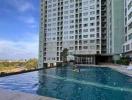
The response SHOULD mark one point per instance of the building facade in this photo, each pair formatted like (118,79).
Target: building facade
(85,27)
(128,28)
(115,27)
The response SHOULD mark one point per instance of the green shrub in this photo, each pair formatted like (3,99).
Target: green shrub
(123,61)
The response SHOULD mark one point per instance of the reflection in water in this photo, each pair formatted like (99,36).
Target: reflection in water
(88,84)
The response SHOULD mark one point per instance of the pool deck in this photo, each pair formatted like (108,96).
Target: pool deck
(120,68)
(14,95)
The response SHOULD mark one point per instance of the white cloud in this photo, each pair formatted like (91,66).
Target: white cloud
(19,49)
(22,5)
(30,21)
(26,6)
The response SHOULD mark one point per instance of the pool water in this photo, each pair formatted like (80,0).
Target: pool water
(85,83)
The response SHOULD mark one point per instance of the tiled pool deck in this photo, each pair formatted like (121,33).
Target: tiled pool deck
(14,95)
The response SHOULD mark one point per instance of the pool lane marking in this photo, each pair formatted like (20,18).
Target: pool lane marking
(90,83)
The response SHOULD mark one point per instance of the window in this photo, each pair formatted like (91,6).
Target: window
(66,2)
(71,32)
(71,16)
(71,37)
(92,41)
(71,21)
(71,11)
(85,42)
(91,24)
(92,30)
(130,26)
(130,5)
(85,30)
(92,35)
(85,47)
(130,16)
(85,14)
(85,36)
(65,12)
(66,17)
(71,48)
(72,26)
(85,25)
(85,19)
(92,7)
(71,1)
(66,7)
(130,36)
(127,47)
(92,12)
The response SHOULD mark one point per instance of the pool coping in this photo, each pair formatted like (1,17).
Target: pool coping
(15,95)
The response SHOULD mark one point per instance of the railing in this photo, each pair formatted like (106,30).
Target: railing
(85,52)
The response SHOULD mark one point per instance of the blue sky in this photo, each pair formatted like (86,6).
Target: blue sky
(19,28)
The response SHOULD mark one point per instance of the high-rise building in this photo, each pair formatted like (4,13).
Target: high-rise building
(87,28)
(115,27)
(128,28)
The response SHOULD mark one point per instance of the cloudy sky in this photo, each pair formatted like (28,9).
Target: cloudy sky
(19,28)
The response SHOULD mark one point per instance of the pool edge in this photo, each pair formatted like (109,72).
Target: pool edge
(15,95)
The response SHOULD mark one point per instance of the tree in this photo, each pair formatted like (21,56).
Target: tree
(64,55)
(124,60)
(31,64)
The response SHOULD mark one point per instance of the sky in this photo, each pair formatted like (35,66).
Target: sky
(19,29)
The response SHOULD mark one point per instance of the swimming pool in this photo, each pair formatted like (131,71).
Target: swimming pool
(86,83)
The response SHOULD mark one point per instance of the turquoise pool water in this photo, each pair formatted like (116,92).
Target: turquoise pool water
(86,83)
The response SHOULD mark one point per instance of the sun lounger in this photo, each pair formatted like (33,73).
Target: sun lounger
(129,67)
